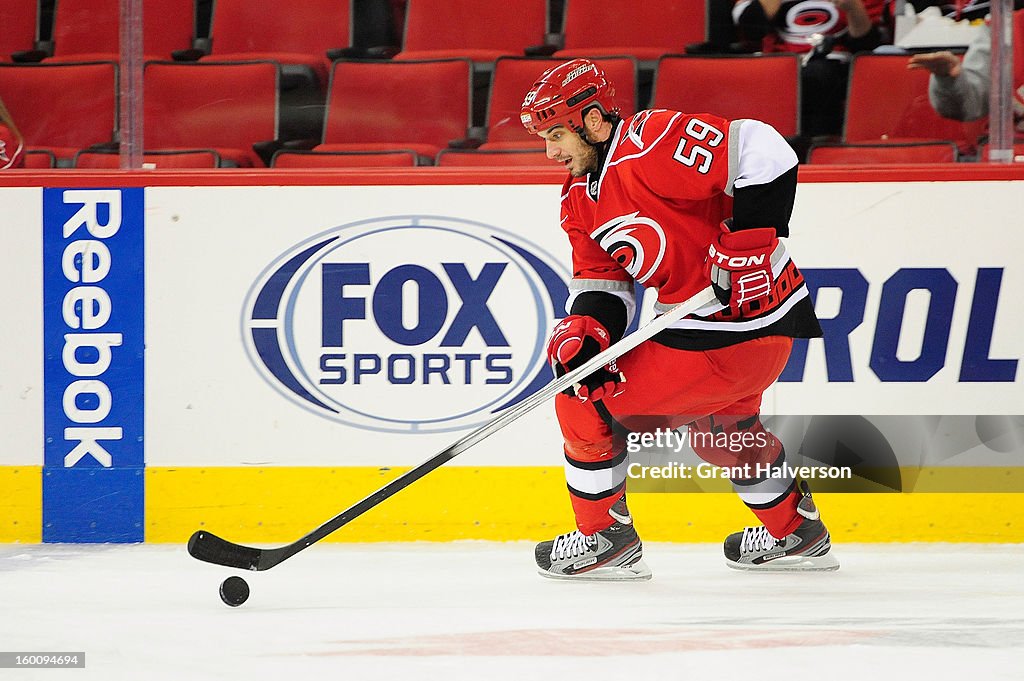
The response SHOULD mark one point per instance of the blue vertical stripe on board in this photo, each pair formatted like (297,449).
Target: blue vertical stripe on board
(93,373)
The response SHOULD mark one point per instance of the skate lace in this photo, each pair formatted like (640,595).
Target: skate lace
(757,539)
(571,545)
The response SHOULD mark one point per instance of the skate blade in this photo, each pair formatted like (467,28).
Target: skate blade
(825,563)
(636,572)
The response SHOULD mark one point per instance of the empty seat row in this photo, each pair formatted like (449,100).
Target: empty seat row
(425,106)
(305,32)
(819,154)
(241,30)
(87,30)
(397,158)
(63,108)
(486,31)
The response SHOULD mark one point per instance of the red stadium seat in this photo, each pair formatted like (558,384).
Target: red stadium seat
(513,77)
(645,30)
(763,87)
(889,102)
(194,158)
(39,160)
(224,107)
(344,159)
(381,106)
(86,30)
(911,152)
(62,108)
(281,31)
(500,158)
(19,21)
(481,31)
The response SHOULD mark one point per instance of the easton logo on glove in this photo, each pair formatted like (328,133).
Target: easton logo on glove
(734,261)
(739,265)
(576,339)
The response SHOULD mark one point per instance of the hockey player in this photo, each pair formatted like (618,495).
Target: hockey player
(672,201)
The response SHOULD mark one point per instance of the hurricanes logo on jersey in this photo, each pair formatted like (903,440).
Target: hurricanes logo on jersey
(637,243)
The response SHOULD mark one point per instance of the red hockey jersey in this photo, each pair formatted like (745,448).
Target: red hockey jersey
(650,212)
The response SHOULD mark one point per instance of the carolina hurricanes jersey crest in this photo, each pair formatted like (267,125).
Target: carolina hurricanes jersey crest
(636,243)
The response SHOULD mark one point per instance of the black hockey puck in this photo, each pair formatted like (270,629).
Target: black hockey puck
(234,591)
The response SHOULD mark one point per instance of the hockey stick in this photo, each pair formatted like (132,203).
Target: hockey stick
(208,547)
(5,118)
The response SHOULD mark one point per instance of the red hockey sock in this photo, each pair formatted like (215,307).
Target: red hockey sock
(781,518)
(592,516)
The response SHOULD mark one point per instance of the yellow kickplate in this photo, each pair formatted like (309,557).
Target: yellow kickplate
(21,504)
(271,505)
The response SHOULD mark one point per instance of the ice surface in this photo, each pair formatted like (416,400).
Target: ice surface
(478,611)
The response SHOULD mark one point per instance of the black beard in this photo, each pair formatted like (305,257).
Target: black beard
(587,161)
(596,152)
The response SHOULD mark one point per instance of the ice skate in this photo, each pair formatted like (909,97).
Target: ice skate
(807,548)
(613,554)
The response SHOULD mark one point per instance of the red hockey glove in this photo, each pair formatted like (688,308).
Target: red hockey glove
(576,339)
(739,265)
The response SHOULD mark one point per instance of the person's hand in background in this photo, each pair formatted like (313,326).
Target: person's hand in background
(939,63)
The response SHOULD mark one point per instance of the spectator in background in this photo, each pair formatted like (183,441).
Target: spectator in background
(828,33)
(960,90)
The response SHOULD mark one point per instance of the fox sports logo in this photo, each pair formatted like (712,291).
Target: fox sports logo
(416,324)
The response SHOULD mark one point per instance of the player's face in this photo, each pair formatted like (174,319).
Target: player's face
(569,149)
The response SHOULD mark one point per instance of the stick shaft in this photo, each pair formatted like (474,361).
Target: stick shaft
(210,548)
(519,410)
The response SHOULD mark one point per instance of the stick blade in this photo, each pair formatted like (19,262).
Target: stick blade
(208,547)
